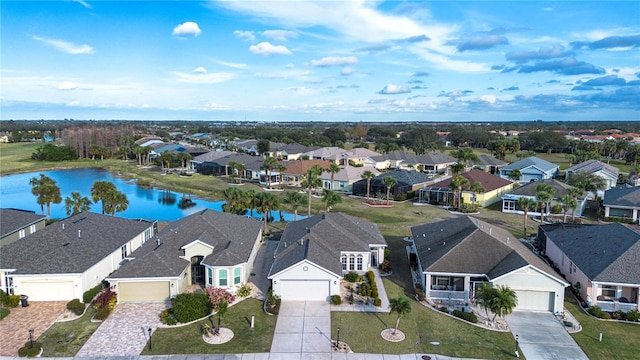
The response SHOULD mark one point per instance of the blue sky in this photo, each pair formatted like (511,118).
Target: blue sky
(320,60)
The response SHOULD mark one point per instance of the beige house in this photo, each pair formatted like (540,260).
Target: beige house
(16,224)
(602,259)
(494,188)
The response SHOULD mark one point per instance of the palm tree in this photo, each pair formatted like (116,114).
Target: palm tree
(166,158)
(269,164)
(400,306)
(221,310)
(503,302)
(476,188)
(568,202)
(76,203)
(457,168)
(265,202)
(484,296)
(515,175)
(526,204)
(295,200)
(100,190)
(368,175)
(544,194)
(330,198)
(456,185)
(310,180)
(576,193)
(333,169)
(389,182)
(236,201)
(47,192)
(587,182)
(465,155)
(183,157)
(115,201)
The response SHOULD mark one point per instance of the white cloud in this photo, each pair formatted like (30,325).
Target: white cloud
(230,64)
(199,70)
(335,61)
(491,99)
(246,35)
(266,48)
(83,3)
(67,85)
(346,71)
(65,46)
(289,66)
(215,106)
(280,35)
(208,78)
(392,89)
(187,28)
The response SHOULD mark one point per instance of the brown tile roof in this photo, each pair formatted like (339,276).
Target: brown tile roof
(300,167)
(489,182)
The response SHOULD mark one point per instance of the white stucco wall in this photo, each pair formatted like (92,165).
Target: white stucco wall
(313,272)
(531,279)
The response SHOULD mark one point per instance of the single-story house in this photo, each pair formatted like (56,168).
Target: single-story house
(603,259)
(510,200)
(531,169)
(435,162)
(454,257)
(315,253)
(489,164)
(288,151)
(344,179)
(494,188)
(65,259)
(431,163)
(296,169)
(359,156)
(407,180)
(607,172)
(16,224)
(207,248)
(622,202)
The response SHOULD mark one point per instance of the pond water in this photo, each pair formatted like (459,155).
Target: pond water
(146,203)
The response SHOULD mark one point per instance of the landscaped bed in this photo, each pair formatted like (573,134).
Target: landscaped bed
(64,339)
(188,339)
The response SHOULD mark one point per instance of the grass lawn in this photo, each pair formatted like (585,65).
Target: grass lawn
(64,339)
(188,339)
(619,340)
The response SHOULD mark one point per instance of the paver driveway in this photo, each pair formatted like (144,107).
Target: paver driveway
(543,337)
(124,332)
(14,329)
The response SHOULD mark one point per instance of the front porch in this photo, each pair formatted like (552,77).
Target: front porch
(614,297)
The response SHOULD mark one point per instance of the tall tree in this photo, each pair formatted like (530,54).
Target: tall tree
(457,168)
(330,198)
(183,157)
(457,183)
(476,188)
(544,194)
(513,146)
(389,182)
(576,193)
(47,191)
(311,180)
(368,175)
(115,201)
(568,202)
(76,203)
(166,158)
(100,191)
(401,306)
(263,146)
(515,175)
(265,203)
(236,201)
(526,204)
(269,164)
(333,169)
(465,155)
(587,182)
(294,199)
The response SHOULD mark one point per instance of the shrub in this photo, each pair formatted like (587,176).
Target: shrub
(4,312)
(633,315)
(104,304)
(75,306)
(216,295)
(167,318)
(468,316)
(243,291)
(385,266)
(189,307)
(420,295)
(374,293)
(444,309)
(556,209)
(351,276)
(595,311)
(336,299)
(377,302)
(28,351)
(371,277)
(7,300)
(618,315)
(91,293)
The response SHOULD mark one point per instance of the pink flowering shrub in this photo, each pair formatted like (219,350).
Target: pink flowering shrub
(216,295)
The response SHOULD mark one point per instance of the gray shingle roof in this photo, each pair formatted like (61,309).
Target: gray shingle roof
(591,166)
(541,164)
(321,238)
(529,189)
(12,220)
(404,177)
(72,245)
(231,236)
(212,156)
(464,245)
(622,196)
(609,253)
(486,160)
(433,158)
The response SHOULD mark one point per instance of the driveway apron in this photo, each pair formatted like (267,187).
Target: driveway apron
(303,327)
(14,329)
(542,337)
(124,332)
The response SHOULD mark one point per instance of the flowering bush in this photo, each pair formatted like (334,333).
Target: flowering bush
(217,295)
(104,304)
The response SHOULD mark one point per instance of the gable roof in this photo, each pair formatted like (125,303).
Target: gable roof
(607,253)
(489,182)
(72,245)
(349,173)
(231,236)
(592,166)
(404,177)
(486,160)
(12,220)
(299,167)
(623,195)
(534,161)
(435,158)
(321,238)
(529,189)
(466,245)
(212,156)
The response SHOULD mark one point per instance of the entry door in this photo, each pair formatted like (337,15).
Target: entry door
(197,270)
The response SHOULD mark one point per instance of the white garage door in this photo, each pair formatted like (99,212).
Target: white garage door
(143,291)
(305,290)
(47,291)
(535,300)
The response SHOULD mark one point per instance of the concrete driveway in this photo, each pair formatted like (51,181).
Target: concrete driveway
(303,327)
(542,336)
